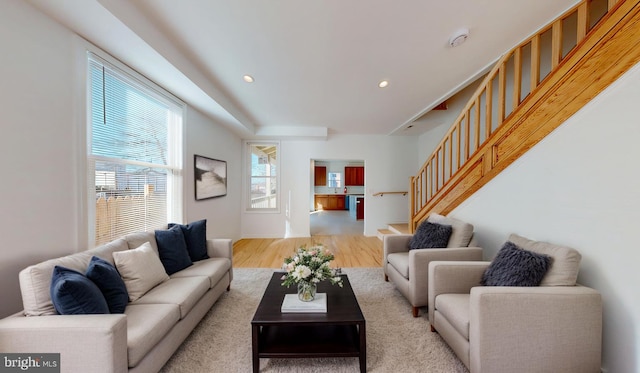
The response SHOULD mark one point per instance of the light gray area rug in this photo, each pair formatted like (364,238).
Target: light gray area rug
(396,341)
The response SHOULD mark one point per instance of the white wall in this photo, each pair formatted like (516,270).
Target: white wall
(580,187)
(214,141)
(389,162)
(430,139)
(38,146)
(41,215)
(438,122)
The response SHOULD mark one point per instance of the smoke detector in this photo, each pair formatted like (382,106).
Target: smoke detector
(459,37)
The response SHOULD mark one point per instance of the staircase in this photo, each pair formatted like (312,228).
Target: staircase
(531,91)
(398,228)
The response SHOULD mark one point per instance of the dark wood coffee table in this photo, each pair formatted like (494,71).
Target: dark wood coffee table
(340,332)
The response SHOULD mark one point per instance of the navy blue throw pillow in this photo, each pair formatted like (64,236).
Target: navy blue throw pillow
(430,235)
(74,294)
(195,234)
(514,266)
(110,283)
(172,249)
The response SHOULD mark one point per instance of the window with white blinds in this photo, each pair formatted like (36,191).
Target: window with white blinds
(134,153)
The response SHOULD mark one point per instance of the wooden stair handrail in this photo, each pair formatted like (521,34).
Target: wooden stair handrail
(383,193)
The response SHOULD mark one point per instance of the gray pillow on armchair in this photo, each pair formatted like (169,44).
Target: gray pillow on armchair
(430,235)
(514,266)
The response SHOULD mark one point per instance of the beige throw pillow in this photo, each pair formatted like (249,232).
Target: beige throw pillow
(461,233)
(141,269)
(565,261)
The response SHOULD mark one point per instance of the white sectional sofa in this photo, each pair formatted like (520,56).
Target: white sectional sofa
(142,338)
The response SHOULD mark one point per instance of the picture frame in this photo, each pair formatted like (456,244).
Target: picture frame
(209,177)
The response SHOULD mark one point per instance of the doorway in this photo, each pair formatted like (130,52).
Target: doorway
(336,198)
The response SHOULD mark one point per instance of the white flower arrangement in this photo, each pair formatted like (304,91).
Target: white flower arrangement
(310,265)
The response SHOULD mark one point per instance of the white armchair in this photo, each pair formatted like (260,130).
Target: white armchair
(498,329)
(408,269)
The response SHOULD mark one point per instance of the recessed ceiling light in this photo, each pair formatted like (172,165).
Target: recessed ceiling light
(383,83)
(248,78)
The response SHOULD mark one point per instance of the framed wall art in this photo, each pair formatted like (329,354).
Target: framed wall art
(210,177)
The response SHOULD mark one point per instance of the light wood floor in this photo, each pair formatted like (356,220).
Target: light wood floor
(349,251)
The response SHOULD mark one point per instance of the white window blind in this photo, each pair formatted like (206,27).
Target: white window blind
(134,153)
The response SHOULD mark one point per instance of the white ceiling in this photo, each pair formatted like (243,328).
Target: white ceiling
(316,64)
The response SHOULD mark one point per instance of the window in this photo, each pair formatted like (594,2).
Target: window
(335,180)
(134,155)
(263,176)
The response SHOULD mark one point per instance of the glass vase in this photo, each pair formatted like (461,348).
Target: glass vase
(306,291)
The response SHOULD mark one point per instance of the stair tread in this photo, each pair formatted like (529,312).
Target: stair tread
(402,228)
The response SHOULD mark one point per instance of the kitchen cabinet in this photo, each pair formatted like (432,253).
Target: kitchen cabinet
(329,202)
(321,202)
(320,176)
(339,203)
(354,175)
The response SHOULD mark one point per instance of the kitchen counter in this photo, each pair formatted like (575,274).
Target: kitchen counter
(335,201)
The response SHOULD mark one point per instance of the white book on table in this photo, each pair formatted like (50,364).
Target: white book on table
(292,304)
